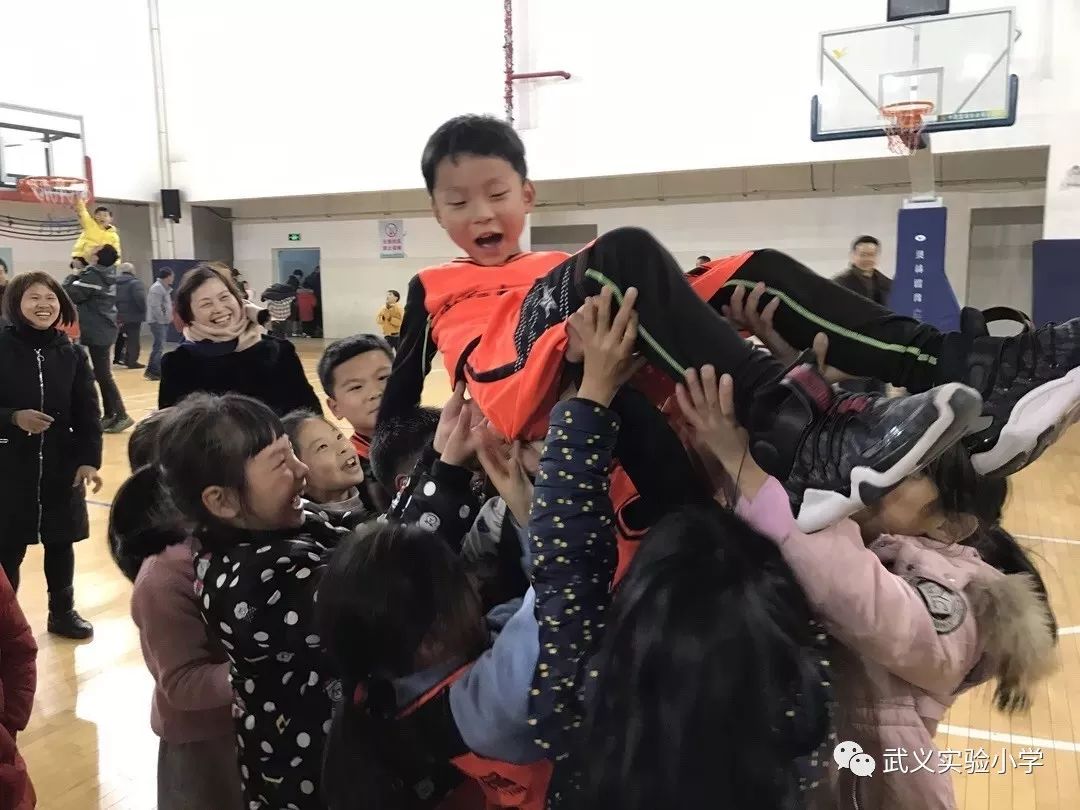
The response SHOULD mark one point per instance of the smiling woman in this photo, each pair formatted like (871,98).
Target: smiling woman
(226,350)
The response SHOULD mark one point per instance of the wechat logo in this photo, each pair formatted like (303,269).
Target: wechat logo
(850,755)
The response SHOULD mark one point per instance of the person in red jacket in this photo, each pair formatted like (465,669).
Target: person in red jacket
(18,680)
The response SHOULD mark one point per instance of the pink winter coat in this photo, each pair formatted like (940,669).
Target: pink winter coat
(916,621)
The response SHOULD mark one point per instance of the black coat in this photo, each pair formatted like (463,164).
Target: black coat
(94,293)
(37,472)
(876,288)
(269,371)
(130,299)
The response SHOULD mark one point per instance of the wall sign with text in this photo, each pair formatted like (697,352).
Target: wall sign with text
(921,290)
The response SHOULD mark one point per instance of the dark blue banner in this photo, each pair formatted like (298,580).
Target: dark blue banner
(921,290)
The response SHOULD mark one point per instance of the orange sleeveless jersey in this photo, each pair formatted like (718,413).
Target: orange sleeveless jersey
(466,303)
(501,784)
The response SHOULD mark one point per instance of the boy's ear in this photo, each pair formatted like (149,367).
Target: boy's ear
(528,192)
(221,502)
(331,403)
(400,480)
(436,214)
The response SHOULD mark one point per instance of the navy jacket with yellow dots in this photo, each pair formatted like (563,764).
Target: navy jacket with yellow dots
(574,553)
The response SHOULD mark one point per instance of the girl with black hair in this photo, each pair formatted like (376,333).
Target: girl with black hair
(918,615)
(334,475)
(191,707)
(227,475)
(701,682)
(50,442)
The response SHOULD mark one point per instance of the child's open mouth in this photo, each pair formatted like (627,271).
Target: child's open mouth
(489,240)
(351,464)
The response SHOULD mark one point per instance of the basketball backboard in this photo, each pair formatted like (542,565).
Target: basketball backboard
(37,143)
(959,63)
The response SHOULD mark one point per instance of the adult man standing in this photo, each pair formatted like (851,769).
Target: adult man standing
(862,275)
(93,291)
(131,311)
(159,313)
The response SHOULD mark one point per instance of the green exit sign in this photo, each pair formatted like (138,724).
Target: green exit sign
(294,237)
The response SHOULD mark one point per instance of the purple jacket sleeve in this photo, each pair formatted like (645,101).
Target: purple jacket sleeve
(871,610)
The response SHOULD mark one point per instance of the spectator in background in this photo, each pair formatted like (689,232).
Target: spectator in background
(130,313)
(700,267)
(389,318)
(863,277)
(314,283)
(93,290)
(305,306)
(703,260)
(159,314)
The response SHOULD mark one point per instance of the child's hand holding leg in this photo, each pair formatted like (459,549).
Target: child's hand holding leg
(607,345)
(709,409)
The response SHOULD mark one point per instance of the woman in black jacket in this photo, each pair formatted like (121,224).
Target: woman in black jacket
(225,350)
(50,441)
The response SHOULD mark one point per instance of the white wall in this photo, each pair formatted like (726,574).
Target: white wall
(271,98)
(333,97)
(89,59)
(816,231)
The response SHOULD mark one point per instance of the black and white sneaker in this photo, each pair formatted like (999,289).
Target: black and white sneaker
(838,452)
(1030,384)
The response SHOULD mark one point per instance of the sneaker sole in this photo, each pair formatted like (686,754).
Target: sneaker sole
(1037,421)
(957,406)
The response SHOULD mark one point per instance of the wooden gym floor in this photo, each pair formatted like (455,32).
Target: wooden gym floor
(89,743)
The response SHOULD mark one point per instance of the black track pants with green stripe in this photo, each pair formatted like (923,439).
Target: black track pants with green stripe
(865,339)
(677,329)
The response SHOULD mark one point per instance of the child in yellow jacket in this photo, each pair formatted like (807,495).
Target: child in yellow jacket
(97,230)
(389,317)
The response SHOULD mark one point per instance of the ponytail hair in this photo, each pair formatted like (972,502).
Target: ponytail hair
(142,522)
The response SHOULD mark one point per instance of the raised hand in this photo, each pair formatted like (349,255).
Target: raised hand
(607,345)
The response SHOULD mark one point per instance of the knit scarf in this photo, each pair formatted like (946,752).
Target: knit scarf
(246,333)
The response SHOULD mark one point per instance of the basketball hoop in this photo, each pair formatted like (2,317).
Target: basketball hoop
(53,190)
(904,123)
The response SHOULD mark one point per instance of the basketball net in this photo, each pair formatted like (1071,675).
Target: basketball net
(903,124)
(53,190)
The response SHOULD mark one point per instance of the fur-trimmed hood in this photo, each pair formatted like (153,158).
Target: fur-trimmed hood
(1019,637)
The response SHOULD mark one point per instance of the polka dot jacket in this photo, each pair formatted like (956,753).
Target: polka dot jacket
(440,500)
(257,593)
(573,552)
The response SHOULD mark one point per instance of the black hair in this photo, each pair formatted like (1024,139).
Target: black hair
(101,208)
(4,267)
(396,294)
(399,442)
(673,721)
(107,256)
(294,420)
(341,351)
(865,239)
(479,135)
(704,258)
(80,261)
(164,272)
(16,288)
(205,441)
(195,278)
(964,491)
(143,444)
(298,272)
(387,593)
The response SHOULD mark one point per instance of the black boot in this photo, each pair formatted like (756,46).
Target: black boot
(1030,385)
(837,452)
(64,620)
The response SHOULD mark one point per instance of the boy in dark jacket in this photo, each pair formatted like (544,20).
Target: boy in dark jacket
(93,290)
(130,313)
